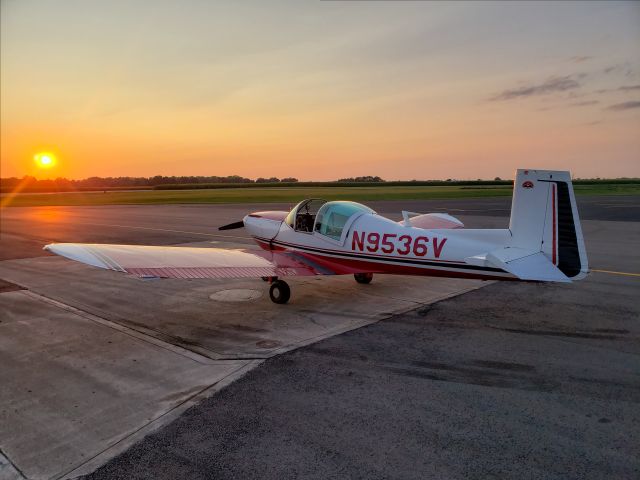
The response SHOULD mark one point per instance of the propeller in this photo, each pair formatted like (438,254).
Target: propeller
(232,226)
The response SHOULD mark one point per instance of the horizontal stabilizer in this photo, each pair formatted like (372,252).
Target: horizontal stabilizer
(524,264)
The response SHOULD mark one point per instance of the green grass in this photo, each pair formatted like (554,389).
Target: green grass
(291,194)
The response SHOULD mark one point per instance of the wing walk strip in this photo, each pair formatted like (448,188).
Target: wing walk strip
(374,258)
(210,272)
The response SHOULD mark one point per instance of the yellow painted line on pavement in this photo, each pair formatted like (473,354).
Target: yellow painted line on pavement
(617,273)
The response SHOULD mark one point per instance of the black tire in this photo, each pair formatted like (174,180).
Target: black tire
(363,278)
(279,292)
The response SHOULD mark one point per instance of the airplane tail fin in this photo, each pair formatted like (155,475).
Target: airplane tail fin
(544,218)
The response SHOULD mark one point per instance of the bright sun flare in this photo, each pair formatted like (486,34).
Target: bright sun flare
(45,159)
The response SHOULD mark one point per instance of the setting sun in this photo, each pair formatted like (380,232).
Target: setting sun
(45,159)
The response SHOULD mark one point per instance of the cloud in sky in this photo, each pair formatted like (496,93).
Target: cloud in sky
(624,106)
(628,88)
(623,88)
(584,104)
(625,69)
(551,85)
(580,58)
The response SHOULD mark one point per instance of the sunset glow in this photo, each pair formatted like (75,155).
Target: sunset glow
(321,90)
(45,160)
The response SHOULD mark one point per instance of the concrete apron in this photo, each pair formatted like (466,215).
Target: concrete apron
(93,360)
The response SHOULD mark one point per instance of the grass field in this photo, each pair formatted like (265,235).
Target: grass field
(288,194)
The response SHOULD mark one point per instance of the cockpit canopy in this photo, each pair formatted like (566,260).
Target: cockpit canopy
(302,217)
(333,217)
(326,218)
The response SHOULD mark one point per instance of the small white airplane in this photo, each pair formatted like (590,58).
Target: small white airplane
(543,243)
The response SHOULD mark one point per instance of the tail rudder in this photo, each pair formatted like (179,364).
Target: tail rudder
(544,217)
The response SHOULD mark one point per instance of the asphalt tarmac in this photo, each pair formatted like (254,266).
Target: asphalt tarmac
(510,381)
(24,230)
(513,380)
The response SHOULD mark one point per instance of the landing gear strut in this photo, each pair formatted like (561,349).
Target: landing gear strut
(363,277)
(279,292)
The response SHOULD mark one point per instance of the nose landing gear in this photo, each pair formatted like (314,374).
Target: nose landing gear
(279,292)
(363,277)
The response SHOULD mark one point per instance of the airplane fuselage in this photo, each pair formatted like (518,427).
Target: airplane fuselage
(380,245)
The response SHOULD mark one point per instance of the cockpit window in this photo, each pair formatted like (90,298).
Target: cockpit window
(303,216)
(333,217)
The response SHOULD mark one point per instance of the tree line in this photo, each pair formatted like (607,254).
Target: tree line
(124,182)
(61,183)
(29,183)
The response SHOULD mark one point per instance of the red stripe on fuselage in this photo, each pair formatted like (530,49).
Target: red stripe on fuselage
(265,245)
(273,245)
(361,265)
(345,266)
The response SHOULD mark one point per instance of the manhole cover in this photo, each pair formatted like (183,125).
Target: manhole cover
(236,295)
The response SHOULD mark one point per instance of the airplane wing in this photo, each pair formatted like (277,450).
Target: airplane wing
(190,262)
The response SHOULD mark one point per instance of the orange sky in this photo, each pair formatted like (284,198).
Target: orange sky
(320,90)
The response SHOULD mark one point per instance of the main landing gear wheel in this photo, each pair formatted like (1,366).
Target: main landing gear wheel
(279,292)
(363,277)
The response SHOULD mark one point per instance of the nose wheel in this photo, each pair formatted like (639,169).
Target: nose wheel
(279,292)
(363,277)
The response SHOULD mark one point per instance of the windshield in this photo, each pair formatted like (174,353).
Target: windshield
(332,217)
(303,215)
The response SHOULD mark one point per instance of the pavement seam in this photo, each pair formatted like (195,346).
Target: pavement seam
(207,360)
(165,418)
(201,359)
(10,462)
(430,302)
(366,322)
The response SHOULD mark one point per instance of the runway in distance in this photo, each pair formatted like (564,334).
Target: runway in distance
(543,243)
